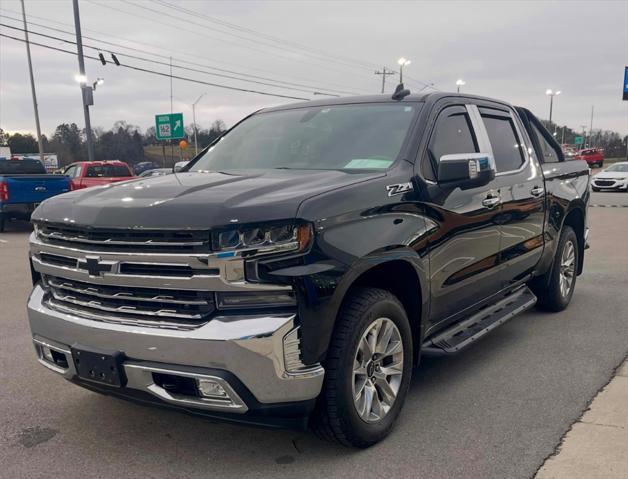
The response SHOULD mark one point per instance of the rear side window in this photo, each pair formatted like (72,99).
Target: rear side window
(22,167)
(453,134)
(107,171)
(507,148)
(548,152)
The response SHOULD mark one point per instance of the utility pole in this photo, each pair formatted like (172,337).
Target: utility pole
(584,136)
(30,71)
(86,91)
(385,72)
(562,141)
(591,125)
(194,120)
(171,143)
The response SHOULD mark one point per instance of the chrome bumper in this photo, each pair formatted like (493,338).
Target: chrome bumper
(257,349)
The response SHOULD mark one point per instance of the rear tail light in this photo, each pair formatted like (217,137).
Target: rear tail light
(4,191)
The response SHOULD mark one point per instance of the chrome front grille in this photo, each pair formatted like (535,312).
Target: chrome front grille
(124,240)
(148,288)
(148,306)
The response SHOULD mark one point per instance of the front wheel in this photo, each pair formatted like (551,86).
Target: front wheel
(555,289)
(367,372)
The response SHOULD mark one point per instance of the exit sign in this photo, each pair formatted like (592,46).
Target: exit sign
(169,126)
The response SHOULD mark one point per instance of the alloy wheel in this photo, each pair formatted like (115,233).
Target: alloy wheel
(377,370)
(567,268)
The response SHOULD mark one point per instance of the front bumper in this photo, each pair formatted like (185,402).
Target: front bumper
(607,184)
(247,355)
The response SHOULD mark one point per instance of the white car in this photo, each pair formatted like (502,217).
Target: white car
(615,177)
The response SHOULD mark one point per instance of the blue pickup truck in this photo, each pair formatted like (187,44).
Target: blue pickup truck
(23,185)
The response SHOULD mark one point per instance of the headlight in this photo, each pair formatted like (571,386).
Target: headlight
(263,239)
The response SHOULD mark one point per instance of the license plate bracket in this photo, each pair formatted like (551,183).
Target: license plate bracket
(99,366)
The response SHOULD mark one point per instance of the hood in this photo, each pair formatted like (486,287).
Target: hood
(196,200)
(607,175)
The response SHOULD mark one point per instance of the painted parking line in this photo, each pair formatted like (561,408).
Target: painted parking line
(609,206)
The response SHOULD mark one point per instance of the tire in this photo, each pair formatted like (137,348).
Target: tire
(551,296)
(595,189)
(2,218)
(337,417)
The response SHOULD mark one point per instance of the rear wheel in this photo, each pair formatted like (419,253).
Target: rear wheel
(555,289)
(367,372)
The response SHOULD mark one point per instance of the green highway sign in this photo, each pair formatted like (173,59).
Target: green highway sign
(579,140)
(169,126)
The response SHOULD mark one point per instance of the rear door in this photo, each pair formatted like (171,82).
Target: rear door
(465,239)
(519,180)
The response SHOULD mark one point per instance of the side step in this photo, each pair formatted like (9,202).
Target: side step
(462,334)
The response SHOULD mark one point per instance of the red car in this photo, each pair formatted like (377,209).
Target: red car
(94,173)
(594,157)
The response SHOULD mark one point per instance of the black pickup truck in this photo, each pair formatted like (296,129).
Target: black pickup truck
(296,271)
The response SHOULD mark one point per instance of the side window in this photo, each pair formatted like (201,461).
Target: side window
(77,173)
(71,171)
(453,134)
(549,154)
(507,148)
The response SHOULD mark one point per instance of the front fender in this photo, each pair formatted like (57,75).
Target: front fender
(345,249)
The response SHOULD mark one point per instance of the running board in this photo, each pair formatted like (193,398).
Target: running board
(462,334)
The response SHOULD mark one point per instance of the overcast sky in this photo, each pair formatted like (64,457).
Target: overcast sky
(508,50)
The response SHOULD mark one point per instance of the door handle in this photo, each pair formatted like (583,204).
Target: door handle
(491,201)
(537,191)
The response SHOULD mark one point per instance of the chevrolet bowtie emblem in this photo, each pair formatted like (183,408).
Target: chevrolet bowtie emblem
(94,266)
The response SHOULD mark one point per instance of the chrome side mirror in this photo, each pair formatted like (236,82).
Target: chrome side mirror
(466,170)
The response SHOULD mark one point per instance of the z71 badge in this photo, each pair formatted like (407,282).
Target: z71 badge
(398,189)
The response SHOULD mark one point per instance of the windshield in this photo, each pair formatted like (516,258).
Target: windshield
(22,167)
(621,167)
(365,136)
(107,171)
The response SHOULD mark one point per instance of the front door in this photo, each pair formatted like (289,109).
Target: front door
(465,238)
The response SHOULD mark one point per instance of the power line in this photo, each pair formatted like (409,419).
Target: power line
(163,48)
(281,82)
(168,64)
(204,35)
(154,72)
(298,46)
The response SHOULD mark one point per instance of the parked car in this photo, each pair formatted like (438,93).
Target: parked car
(155,172)
(143,166)
(24,184)
(615,177)
(594,157)
(97,173)
(296,272)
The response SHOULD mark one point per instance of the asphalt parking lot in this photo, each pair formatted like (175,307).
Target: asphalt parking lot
(495,411)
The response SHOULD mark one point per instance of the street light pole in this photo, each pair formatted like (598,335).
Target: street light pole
(402,62)
(460,82)
(86,91)
(30,71)
(194,120)
(551,93)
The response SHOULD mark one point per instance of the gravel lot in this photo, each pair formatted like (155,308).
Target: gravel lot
(495,411)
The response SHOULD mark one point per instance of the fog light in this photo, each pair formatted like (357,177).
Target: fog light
(47,354)
(211,389)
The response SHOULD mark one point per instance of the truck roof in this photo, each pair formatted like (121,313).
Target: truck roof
(385,98)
